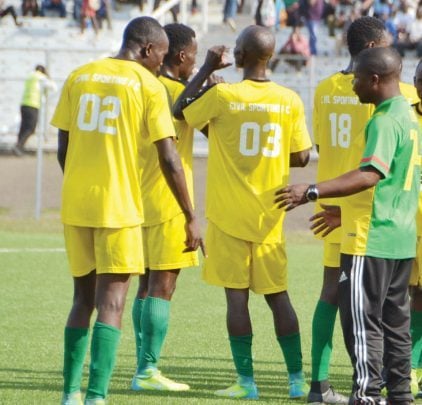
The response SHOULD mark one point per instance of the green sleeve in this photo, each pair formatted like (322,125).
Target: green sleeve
(381,143)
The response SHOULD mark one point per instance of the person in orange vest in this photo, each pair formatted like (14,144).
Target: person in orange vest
(37,82)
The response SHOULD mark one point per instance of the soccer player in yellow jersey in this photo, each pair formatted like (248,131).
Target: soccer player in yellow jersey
(164,248)
(107,113)
(416,276)
(256,130)
(339,121)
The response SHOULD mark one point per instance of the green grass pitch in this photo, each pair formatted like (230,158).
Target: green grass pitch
(36,293)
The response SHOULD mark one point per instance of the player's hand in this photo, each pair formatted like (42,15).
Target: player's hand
(214,79)
(217,57)
(290,197)
(193,237)
(326,220)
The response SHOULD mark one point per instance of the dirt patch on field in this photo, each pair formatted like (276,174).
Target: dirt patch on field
(18,178)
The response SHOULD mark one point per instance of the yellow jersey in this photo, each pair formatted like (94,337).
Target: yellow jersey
(111,109)
(159,203)
(253,128)
(418,111)
(339,121)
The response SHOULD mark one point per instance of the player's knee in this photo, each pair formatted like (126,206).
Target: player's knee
(112,305)
(84,304)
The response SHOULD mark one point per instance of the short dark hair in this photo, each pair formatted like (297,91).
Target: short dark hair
(40,68)
(383,62)
(141,31)
(362,31)
(180,36)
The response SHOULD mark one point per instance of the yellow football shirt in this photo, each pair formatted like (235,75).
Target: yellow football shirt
(111,109)
(418,111)
(339,121)
(253,128)
(159,203)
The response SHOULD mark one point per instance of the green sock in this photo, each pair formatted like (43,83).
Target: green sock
(136,319)
(292,352)
(75,348)
(322,339)
(241,347)
(105,339)
(416,332)
(154,324)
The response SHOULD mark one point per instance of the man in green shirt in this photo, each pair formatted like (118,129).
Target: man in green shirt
(379,233)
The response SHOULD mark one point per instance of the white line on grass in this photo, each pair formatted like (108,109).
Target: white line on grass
(31,250)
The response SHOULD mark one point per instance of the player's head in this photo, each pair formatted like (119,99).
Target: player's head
(417,79)
(254,45)
(182,49)
(375,70)
(146,39)
(41,68)
(366,32)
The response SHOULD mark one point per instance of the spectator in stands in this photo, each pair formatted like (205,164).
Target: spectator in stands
(194,7)
(104,13)
(292,10)
(55,5)
(36,83)
(30,6)
(264,13)
(382,7)
(311,13)
(229,13)
(412,38)
(5,10)
(89,11)
(77,10)
(297,44)
(403,18)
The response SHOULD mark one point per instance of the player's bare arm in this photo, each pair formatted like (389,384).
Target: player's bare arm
(299,159)
(214,60)
(63,139)
(349,183)
(173,172)
(325,221)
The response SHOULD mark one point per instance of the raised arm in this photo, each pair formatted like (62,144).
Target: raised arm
(213,61)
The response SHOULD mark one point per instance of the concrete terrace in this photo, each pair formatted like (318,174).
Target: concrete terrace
(57,44)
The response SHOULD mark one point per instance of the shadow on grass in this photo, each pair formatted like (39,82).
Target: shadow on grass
(205,380)
(30,380)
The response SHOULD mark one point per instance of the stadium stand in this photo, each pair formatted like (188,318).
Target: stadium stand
(56,43)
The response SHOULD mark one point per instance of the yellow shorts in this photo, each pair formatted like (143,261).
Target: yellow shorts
(107,250)
(236,263)
(331,254)
(164,244)
(416,275)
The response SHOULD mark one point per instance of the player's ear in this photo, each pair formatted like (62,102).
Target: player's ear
(375,79)
(371,44)
(182,56)
(148,49)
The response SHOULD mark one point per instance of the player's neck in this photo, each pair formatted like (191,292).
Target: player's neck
(388,92)
(126,54)
(257,73)
(170,71)
(349,68)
